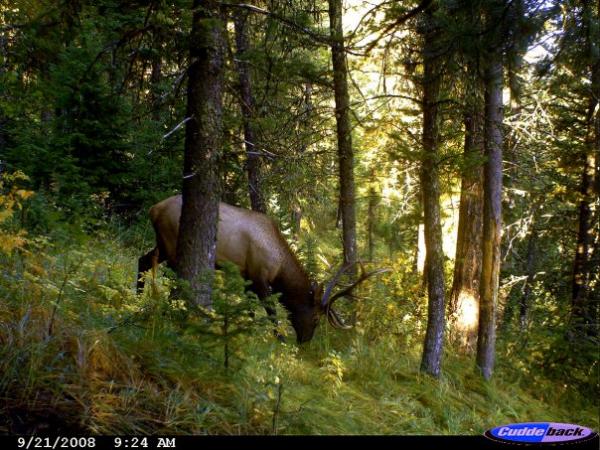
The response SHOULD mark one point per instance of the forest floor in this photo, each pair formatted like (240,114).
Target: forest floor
(80,351)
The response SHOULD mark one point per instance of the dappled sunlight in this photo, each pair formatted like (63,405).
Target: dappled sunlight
(450,210)
(467,312)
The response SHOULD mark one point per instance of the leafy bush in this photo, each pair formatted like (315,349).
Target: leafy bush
(11,200)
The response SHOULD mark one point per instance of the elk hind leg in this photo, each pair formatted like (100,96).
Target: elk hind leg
(149,261)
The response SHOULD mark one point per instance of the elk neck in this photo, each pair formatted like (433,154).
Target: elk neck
(292,282)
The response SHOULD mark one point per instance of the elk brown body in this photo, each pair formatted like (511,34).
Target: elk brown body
(253,242)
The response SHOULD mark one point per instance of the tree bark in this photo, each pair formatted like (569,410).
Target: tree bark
(3,69)
(492,216)
(464,298)
(155,78)
(530,268)
(344,131)
(434,336)
(253,162)
(296,216)
(196,244)
(371,222)
(584,315)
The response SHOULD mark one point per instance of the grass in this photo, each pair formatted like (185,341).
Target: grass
(81,352)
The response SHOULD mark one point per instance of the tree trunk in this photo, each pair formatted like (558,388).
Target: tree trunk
(344,131)
(253,161)
(492,216)
(584,312)
(196,245)
(155,78)
(305,126)
(464,298)
(371,222)
(530,268)
(595,260)
(3,68)
(434,336)
(296,216)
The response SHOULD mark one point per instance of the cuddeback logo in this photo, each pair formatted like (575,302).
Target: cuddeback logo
(540,433)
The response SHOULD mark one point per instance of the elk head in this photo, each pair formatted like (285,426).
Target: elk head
(323,298)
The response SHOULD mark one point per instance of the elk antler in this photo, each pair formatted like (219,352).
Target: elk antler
(336,321)
(347,291)
(332,283)
(327,301)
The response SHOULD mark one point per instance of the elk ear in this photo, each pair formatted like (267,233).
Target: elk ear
(317,293)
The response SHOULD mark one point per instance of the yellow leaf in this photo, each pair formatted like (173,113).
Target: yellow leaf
(24,194)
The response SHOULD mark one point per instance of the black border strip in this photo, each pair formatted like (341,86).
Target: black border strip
(290,442)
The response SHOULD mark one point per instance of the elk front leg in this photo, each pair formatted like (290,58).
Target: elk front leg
(263,290)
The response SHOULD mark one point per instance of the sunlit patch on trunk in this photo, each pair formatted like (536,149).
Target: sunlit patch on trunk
(466,318)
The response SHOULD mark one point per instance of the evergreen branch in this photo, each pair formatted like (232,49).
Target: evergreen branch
(391,28)
(290,23)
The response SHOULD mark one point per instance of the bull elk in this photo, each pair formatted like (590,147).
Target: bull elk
(253,242)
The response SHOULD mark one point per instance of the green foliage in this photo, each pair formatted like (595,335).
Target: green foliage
(70,116)
(234,316)
(12,236)
(545,349)
(550,136)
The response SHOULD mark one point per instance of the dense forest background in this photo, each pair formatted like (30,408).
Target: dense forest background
(455,142)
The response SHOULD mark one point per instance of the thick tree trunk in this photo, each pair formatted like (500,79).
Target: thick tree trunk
(434,336)
(492,216)
(464,298)
(196,245)
(253,162)
(344,131)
